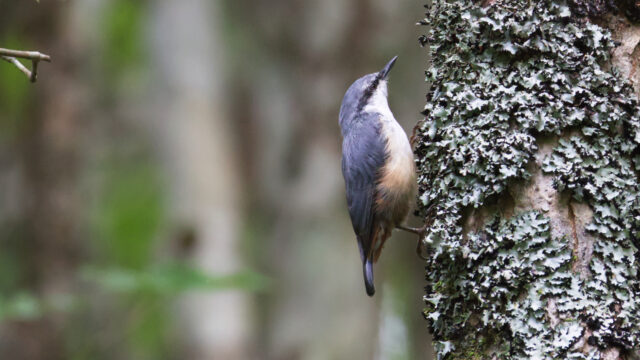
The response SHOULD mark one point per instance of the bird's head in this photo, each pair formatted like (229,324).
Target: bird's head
(369,89)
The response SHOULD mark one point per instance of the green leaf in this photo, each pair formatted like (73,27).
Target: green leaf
(171,279)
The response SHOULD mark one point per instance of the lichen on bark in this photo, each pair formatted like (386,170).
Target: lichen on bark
(529,157)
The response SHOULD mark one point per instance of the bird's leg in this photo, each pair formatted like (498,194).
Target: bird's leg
(420,232)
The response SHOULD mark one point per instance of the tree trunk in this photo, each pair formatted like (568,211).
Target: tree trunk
(203,171)
(528,163)
(48,197)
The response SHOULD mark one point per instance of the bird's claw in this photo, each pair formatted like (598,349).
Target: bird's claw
(420,247)
(421,232)
(419,250)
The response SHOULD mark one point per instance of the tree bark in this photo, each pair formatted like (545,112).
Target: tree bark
(528,159)
(48,194)
(202,169)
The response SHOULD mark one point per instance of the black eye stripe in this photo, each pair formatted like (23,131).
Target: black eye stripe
(368,92)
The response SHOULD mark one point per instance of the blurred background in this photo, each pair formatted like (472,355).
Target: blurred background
(170,188)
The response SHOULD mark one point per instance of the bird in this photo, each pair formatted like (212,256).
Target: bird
(378,167)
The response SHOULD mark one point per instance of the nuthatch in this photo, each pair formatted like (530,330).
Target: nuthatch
(377,165)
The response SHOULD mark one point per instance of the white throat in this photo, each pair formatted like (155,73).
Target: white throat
(378,102)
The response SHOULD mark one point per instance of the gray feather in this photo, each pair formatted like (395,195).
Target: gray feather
(363,155)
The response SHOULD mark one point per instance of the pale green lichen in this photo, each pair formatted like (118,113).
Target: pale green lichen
(503,76)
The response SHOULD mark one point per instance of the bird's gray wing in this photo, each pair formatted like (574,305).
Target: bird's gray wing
(363,156)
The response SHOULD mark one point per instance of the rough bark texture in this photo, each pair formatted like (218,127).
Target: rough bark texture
(626,57)
(528,153)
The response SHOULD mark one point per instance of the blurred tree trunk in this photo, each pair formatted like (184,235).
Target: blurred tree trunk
(304,238)
(50,152)
(287,115)
(528,155)
(202,167)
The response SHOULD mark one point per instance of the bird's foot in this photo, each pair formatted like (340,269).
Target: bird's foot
(421,232)
(418,231)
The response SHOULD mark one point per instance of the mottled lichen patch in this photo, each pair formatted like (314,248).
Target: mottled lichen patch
(514,285)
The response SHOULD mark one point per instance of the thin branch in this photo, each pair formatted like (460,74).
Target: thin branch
(35,57)
(18,64)
(31,55)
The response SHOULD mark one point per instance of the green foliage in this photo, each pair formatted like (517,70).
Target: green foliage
(124,47)
(504,76)
(129,213)
(21,306)
(13,269)
(14,92)
(126,220)
(25,306)
(171,279)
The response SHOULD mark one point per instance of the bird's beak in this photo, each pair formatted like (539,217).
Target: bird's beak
(385,70)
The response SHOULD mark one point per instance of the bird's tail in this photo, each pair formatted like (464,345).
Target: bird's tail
(367,269)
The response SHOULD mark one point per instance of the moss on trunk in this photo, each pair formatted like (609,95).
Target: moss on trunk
(528,158)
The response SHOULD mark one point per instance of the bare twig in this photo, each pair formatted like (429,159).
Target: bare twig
(18,64)
(31,55)
(35,57)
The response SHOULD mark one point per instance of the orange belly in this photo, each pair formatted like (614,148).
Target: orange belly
(396,185)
